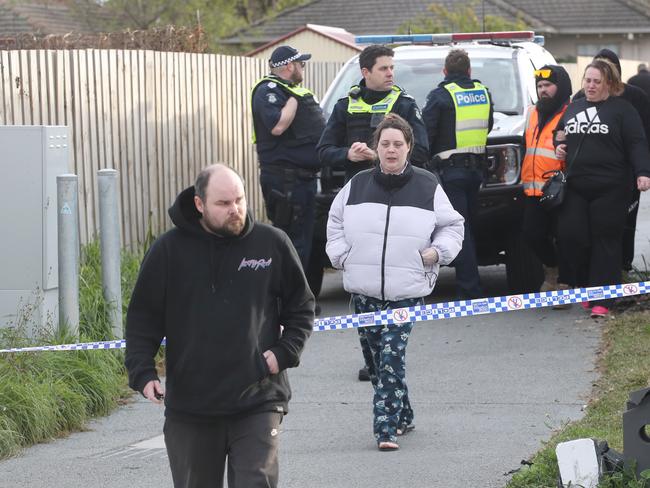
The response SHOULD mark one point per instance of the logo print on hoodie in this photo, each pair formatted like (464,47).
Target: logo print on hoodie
(255,264)
(579,123)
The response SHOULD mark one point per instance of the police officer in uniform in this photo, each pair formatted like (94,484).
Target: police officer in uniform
(287,123)
(347,136)
(458,116)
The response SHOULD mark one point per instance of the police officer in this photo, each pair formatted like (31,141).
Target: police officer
(458,116)
(346,139)
(287,123)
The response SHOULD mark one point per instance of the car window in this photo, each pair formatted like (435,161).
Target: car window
(419,76)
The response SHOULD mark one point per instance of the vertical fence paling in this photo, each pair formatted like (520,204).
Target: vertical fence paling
(156,117)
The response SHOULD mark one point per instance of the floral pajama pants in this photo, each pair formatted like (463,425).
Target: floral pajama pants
(384,351)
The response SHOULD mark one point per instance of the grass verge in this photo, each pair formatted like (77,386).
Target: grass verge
(624,368)
(44,395)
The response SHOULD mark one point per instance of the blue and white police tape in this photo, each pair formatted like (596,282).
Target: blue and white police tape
(434,311)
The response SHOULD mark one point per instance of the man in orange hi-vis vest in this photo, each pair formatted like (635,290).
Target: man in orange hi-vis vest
(553,92)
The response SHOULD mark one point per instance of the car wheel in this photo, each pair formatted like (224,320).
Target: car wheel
(523,268)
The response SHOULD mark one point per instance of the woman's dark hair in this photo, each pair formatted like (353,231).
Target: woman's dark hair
(610,75)
(394,121)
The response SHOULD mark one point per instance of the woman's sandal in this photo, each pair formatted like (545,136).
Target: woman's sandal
(404,429)
(387,446)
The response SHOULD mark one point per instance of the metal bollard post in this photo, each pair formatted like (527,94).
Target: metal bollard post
(109,235)
(68,242)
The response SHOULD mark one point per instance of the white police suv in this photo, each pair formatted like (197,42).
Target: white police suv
(504,62)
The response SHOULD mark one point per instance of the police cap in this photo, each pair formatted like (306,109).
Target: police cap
(285,55)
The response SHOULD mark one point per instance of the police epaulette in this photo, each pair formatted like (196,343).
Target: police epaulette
(354,92)
(403,92)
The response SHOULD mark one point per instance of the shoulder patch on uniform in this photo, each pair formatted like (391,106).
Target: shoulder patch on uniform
(271,84)
(271,98)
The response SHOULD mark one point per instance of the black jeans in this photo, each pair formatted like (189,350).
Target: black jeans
(461,186)
(590,231)
(293,212)
(540,231)
(198,451)
(630,229)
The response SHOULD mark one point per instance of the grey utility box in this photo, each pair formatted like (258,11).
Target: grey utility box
(31,157)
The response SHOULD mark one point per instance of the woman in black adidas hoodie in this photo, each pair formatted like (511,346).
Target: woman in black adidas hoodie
(605,144)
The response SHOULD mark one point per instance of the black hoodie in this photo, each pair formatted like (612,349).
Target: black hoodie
(220,302)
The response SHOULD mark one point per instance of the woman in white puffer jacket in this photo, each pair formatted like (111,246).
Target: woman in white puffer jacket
(389,230)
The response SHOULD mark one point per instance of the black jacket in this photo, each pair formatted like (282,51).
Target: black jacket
(332,148)
(220,302)
(641,80)
(439,115)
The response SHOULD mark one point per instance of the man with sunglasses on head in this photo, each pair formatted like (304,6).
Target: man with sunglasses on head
(539,225)
(287,124)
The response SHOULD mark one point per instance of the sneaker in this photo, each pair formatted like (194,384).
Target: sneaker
(363,374)
(599,312)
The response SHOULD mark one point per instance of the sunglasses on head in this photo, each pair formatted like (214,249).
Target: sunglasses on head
(543,73)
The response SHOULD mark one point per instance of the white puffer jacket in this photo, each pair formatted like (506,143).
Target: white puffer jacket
(379,223)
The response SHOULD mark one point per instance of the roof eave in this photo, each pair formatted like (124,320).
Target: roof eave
(600,30)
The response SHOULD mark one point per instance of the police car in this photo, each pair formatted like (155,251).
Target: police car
(504,62)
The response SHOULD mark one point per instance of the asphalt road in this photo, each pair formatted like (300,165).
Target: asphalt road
(487,391)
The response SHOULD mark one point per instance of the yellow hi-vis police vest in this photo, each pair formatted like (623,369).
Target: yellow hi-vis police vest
(383,106)
(472,116)
(298,91)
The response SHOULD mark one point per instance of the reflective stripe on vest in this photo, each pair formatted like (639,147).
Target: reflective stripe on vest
(383,106)
(533,185)
(298,91)
(472,118)
(540,152)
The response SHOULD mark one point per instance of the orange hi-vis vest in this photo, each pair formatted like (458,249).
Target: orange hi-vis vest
(540,153)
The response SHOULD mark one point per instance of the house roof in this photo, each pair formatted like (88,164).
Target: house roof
(43,17)
(545,16)
(335,33)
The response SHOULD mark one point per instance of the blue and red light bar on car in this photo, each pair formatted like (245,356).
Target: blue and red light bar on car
(446,38)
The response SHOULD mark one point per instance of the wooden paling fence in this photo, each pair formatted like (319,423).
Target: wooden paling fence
(156,117)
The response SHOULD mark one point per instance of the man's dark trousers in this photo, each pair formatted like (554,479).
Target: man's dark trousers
(462,186)
(297,193)
(198,451)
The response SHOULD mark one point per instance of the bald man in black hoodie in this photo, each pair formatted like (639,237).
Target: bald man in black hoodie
(640,101)
(230,296)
